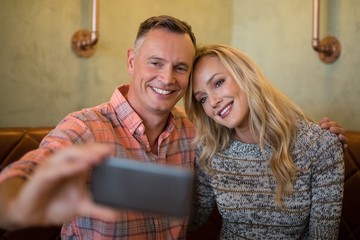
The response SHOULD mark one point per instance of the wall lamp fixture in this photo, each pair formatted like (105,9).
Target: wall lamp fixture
(84,42)
(328,48)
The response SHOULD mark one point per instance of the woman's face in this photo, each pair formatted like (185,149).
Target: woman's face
(219,94)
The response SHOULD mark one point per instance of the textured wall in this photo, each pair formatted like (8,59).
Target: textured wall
(41,79)
(278,37)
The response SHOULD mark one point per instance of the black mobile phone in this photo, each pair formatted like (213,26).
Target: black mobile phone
(131,184)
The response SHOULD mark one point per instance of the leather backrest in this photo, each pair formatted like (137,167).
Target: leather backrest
(350,217)
(15,142)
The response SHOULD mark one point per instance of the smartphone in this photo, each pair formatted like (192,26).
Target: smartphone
(130,184)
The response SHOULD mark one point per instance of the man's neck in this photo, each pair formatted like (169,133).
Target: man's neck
(154,127)
(154,121)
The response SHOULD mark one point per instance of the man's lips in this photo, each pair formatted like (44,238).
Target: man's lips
(161,91)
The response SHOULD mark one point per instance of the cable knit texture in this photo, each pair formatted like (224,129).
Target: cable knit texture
(243,188)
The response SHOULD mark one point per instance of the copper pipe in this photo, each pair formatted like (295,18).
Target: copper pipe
(329,48)
(84,42)
(315,40)
(95,22)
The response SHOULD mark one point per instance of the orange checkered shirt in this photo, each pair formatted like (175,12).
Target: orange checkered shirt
(115,122)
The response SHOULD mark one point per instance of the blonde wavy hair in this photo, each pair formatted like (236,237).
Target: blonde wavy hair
(272,116)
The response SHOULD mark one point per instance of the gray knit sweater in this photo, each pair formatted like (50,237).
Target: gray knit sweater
(243,188)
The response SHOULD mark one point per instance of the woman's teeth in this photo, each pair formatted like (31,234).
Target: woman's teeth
(225,110)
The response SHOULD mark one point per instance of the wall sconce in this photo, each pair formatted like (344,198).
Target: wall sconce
(84,42)
(329,48)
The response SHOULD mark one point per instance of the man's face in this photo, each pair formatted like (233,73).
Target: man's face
(160,67)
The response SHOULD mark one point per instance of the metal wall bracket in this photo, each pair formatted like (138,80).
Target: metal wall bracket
(84,42)
(329,48)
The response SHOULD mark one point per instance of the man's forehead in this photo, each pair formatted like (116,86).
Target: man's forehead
(162,50)
(166,38)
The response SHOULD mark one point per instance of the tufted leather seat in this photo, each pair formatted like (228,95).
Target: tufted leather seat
(350,217)
(15,142)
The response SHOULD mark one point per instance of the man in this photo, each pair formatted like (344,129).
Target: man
(140,121)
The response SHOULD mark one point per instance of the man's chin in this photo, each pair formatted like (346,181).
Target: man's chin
(163,109)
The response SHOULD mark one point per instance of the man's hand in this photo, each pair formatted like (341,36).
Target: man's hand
(335,128)
(56,192)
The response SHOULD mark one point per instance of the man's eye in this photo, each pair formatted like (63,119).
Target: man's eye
(156,64)
(219,83)
(181,69)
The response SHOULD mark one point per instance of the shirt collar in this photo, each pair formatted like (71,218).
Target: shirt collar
(126,114)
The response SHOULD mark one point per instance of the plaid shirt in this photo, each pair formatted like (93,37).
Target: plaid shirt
(115,122)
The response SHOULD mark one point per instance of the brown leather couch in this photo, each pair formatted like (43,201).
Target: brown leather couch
(14,142)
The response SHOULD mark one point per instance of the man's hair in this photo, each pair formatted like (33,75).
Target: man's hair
(169,23)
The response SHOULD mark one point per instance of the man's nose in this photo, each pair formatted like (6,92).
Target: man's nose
(168,75)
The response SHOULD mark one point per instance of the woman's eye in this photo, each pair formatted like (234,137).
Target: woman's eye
(202,100)
(219,83)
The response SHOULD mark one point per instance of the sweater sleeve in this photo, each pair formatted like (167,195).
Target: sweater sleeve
(204,199)
(327,188)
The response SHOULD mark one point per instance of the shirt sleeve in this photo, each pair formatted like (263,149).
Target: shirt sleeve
(69,131)
(327,189)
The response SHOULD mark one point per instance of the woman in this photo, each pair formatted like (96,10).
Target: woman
(272,172)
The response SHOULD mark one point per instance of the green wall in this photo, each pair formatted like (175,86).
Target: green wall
(278,37)
(41,80)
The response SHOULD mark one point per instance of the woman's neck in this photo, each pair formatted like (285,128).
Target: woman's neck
(245,136)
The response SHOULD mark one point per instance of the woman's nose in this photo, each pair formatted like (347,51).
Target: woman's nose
(214,100)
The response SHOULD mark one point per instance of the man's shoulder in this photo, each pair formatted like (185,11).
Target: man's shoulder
(179,114)
(182,122)
(99,112)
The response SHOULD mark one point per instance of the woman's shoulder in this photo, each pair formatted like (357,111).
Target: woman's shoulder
(310,136)
(311,131)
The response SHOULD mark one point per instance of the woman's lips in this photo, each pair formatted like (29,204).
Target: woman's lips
(225,111)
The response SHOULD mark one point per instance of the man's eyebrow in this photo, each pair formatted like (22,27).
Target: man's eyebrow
(176,63)
(155,58)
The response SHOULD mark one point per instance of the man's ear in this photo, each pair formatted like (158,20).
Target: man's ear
(130,60)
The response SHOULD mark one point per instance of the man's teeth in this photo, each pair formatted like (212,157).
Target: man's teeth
(225,110)
(161,91)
